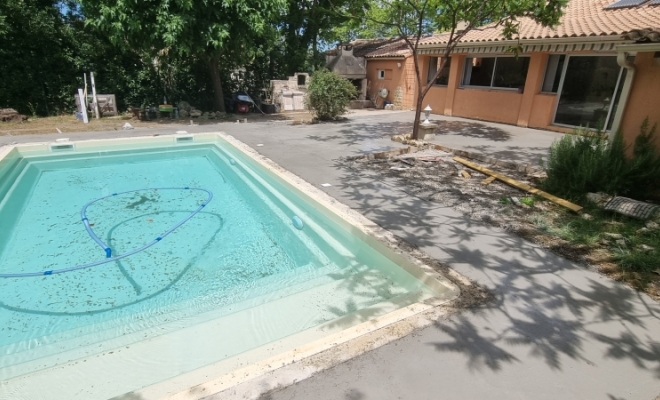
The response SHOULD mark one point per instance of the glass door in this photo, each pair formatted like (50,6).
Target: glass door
(589,91)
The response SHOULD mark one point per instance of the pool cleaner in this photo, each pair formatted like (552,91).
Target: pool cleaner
(108,251)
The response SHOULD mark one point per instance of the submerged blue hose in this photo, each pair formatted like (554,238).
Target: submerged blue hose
(108,251)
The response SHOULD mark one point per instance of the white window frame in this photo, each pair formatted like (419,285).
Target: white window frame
(561,88)
(381,74)
(492,79)
(448,65)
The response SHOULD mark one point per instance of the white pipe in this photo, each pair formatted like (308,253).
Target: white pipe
(622,60)
(96,101)
(82,106)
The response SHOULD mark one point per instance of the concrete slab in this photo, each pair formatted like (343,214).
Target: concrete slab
(555,331)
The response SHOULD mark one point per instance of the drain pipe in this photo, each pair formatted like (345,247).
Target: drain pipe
(622,60)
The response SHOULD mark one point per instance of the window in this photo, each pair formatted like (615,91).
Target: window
(499,72)
(590,92)
(381,74)
(443,78)
(553,73)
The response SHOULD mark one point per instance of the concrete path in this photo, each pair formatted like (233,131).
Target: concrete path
(555,331)
(504,142)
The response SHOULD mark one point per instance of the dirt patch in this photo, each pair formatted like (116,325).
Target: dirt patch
(432,175)
(68,123)
(11,115)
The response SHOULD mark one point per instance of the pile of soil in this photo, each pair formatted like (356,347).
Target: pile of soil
(11,115)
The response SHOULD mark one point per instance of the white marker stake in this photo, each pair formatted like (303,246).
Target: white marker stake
(82,106)
(96,101)
(85,92)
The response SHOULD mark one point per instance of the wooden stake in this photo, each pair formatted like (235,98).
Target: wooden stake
(488,180)
(520,185)
(466,174)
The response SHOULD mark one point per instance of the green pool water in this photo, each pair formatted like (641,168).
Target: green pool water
(236,276)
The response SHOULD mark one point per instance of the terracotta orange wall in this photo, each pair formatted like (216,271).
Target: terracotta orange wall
(488,104)
(436,98)
(543,106)
(398,78)
(644,98)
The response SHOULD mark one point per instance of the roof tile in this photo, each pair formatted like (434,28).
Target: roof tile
(581,18)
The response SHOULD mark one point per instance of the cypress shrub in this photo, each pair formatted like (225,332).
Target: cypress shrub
(587,162)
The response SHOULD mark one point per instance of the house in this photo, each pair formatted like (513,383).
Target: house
(599,67)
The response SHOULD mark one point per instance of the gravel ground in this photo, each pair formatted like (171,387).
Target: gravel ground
(433,175)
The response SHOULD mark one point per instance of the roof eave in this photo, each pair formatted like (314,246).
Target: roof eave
(542,41)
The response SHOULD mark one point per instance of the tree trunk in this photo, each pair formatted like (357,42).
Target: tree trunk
(217,83)
(418,116)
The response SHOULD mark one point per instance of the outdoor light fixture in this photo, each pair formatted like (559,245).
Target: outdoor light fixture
(398,65)
(427,113)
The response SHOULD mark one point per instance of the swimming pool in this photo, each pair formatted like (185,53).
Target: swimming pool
(265,266)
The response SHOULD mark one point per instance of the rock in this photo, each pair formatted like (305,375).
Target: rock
(195,113)
(621,242)
(586,216)
(127,127)
(220,114)
(184,114)
(645,248)
(642,231)
(599,198)
(516,201)
(613,235)
(11,115)
(652,225)
(183,105)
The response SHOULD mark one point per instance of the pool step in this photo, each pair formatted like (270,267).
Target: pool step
(320,300)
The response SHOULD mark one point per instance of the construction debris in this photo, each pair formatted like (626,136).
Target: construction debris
(488,181)
(520,185)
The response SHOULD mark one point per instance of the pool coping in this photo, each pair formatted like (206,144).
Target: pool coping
(303,361)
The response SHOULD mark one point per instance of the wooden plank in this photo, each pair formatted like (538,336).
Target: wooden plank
(517,184)
(466,174)
(488,180)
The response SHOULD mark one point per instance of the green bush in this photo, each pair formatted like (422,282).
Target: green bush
(328,95)
(587,162)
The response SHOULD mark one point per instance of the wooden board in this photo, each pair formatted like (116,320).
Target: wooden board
(488,180)
(466,174)
(517,184)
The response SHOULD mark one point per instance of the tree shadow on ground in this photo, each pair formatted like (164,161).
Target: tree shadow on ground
(472,129)
(543,303)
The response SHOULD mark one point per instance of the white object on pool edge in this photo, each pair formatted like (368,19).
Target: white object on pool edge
(326,185)
(297,222)
(259,145)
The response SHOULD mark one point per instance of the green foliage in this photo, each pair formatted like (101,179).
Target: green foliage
(328,95)
(593,233)
(224,34)
(587,162)
(529,201)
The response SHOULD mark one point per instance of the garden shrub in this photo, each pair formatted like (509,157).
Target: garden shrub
(587,162)
(328,95)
